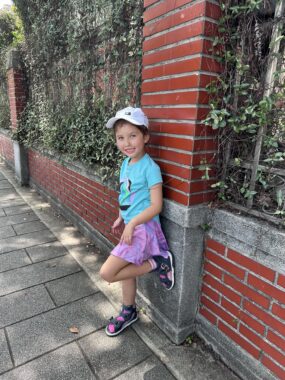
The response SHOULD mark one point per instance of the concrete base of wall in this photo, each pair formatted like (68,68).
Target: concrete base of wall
(237,359)
(175,311)
(21,164)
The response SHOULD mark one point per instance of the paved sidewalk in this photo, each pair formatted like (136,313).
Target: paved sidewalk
(53,306)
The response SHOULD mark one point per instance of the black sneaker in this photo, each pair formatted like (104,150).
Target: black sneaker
(127,316)
(165,269)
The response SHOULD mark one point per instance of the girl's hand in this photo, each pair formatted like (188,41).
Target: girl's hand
(127,234)
(117,225)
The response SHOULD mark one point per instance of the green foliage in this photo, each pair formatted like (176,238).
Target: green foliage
(240,106)
(11,35)
(83,60)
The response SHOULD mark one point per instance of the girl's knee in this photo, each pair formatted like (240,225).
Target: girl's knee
(105,274)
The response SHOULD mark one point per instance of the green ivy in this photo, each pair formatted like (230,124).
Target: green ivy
(11,35)
(239,106)
(83,61)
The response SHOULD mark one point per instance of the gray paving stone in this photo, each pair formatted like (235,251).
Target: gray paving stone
(201,365)
(66,363)
(46,251)
(19,209)
(17,219)
(25,228)
(5,359)
(8,195)
(15,202)
(36,274)
(71,288)
(24,241)
(13,260)
(150,369)
(111,357)
(6,232)
(2,176)
(2,213)
(24,304)
(43,333)
(5,184)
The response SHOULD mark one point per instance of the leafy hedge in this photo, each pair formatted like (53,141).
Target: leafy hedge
(83,60)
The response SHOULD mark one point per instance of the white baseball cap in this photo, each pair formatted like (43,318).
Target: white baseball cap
(130,114)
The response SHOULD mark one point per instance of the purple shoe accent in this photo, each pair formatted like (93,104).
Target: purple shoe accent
(165,269)
(127,316)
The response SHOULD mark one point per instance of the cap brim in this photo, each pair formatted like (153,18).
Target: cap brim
(112,121)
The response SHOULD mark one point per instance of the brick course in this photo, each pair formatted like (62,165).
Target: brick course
(92,201)
(246,301)
(6,149)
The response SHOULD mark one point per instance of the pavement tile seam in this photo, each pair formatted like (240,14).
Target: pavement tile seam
(68,303)
(87,360)
(42,355)
(27,253)
(56,307)
(20,209)
(9,347)
(128,369)
(31,263)
(41,283)
(53,239)
(75,340)
(9,270)
(41,227)
(36,219)
(51,296)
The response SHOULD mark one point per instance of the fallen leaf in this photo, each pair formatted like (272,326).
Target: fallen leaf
(74,330)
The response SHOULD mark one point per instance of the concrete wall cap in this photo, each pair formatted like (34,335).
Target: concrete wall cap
(14,60)
(253,238)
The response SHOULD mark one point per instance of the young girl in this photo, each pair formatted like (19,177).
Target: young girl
(142,248)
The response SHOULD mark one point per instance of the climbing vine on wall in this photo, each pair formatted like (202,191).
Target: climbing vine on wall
(11,35)
(83,60)
(245,111)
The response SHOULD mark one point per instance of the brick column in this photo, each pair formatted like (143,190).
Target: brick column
(16,87)
(177,66)
(17,99)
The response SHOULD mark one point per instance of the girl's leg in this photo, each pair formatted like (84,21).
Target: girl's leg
(116,269)
(129,290)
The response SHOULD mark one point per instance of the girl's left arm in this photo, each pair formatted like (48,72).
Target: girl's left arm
(154,209)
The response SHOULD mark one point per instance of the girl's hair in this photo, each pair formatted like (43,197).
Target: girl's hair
(119,123)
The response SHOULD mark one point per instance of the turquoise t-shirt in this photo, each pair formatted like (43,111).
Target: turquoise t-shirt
(135,183)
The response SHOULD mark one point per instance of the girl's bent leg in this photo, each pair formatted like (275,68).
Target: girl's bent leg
(116,269)
(111,267)
(129,289)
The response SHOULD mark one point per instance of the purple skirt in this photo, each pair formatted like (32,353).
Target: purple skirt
(148,240)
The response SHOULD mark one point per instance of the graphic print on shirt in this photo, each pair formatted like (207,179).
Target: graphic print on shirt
(126,195)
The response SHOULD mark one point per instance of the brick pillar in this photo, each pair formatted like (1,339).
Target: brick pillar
(177,66)
(17,99)
(16,87)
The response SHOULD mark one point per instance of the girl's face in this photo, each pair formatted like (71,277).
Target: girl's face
(131,141)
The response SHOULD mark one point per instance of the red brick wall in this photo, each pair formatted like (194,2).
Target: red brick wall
(17,94)
(6,149)
(177,66)
(93,202)
(245,300)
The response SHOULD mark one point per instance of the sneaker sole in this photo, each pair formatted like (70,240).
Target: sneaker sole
(123,328)
(172,269)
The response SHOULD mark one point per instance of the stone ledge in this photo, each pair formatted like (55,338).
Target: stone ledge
(14,60)
(255,239)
